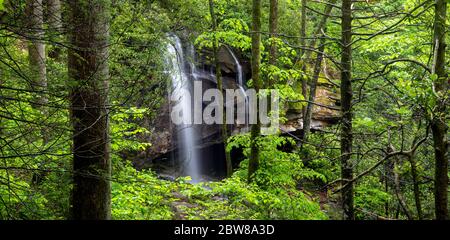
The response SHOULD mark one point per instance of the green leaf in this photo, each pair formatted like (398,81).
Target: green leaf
(434,77)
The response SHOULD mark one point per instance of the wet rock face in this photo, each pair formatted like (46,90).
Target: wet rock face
(325,113)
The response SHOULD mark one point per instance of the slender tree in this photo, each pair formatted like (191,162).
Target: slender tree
(88,71)
(37,65)
(312,93)
(220,87)
(303,26)
(346,102)
(273,51)
(318,34)
(36,46)
(302,52)
(54,21)
(273,30)
(36,55)
(416,186)
(257,83)
(438,124)
(320,31)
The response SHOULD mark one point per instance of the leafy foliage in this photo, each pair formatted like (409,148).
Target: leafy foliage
(394,102)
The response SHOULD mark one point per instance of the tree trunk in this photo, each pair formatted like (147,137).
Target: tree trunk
(273,51)
(36,46)
(54,20)
(38,69)
(307,112)
(88,72)
(256,61)
(312,94)
(220,87)
(416,187)
(303,27)
(36,56)
(385,177)
(346,101)
(320,26)
(398,193)
(438,124)
(273,30)
(302,53)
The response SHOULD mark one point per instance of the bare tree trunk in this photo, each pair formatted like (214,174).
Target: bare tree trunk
(303,27)
(416,187)
(386,185)
(346,100)
(88,70)
(320,31)
(220,87)
(38,69)
(36,46)
(312,93)
(54,20)
(307,112)
(388,171)
(302,53)
(256,61)
(398,193)
(321,26)
(438,124)
(273,30)
(36,56)
(273,52)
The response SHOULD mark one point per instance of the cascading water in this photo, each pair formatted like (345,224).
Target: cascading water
(240,73)
(192,61)
(240,82)
(187,136)
(184,72)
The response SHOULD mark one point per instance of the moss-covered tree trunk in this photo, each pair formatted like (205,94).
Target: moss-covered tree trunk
(438,124)
(257,84)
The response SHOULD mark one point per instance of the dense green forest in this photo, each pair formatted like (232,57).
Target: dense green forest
(88,89)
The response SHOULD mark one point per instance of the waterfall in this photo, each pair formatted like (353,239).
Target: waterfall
(240,73)
(240,82)
(183,72)
(187,136)
(192,61)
